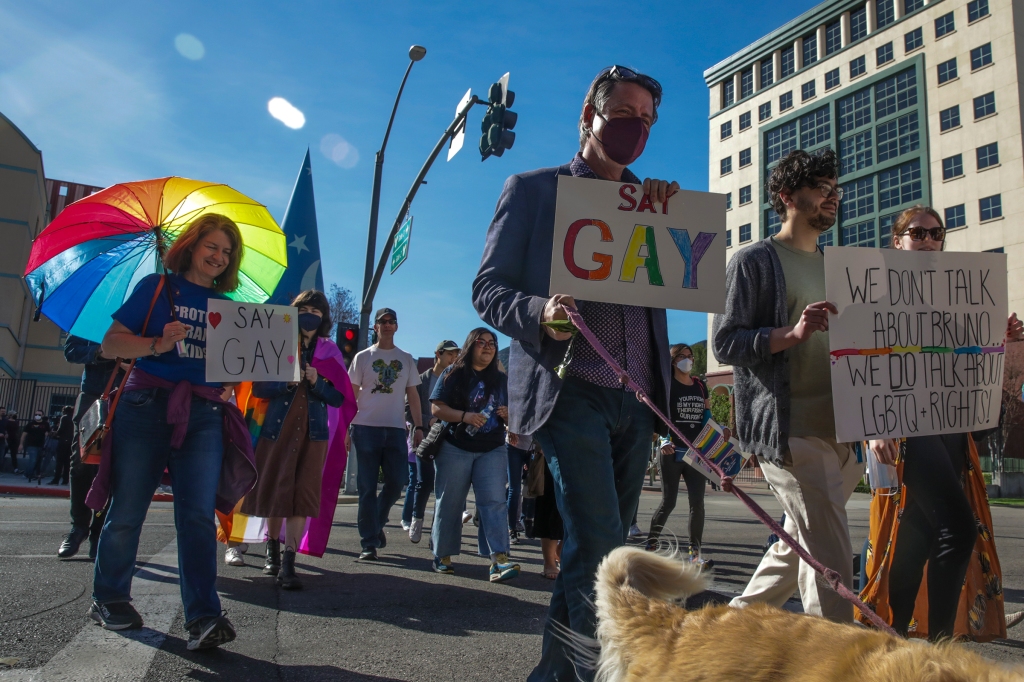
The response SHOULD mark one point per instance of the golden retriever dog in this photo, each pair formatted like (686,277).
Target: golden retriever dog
(644,634)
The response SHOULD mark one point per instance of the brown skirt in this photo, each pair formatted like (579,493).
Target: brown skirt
(290,468)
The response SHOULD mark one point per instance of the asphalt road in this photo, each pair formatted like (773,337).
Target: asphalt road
(393,620)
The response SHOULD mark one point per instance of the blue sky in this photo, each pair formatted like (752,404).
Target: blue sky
(102,89)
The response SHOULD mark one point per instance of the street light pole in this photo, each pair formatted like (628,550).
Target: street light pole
(416,53)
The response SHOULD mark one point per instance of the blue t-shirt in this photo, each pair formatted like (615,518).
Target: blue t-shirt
(489,436)
(190,303)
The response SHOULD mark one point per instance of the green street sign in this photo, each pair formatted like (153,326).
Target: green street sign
(400,250)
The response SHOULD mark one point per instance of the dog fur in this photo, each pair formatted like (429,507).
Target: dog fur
(644,634)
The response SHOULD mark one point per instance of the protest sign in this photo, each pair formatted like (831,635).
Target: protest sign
(917,346)
(711,443)
(251,342)
(613,244)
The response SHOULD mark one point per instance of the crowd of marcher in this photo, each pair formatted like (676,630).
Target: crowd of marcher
(560,458)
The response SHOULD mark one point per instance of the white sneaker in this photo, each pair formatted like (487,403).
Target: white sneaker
(467,517)
(416,530)
(634,531)
(405,526)
(233,557)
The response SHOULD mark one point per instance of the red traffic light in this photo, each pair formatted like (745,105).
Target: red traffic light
(350,334)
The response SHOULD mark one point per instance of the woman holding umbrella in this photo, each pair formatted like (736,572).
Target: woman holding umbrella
(170,417)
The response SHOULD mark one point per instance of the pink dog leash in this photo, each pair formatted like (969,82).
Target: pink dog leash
(832,577)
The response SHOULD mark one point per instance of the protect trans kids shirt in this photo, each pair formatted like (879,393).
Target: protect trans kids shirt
(190,304)
(382,377)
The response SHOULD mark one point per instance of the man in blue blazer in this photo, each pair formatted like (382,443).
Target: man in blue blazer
(595,434)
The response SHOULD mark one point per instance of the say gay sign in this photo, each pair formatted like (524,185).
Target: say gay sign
(917,347)
(613,244)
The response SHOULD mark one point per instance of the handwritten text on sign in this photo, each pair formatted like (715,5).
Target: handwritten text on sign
(613,244)
(251,342)
(917,347)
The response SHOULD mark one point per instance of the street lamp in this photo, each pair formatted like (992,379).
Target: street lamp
(416,53)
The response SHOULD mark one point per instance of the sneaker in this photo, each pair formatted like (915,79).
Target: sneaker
(634,531)
(503,568)
(520,527)
(416,530)
(383,539)
(233,557)
(466,517)
(210,632)
(405,526)
(119,615)
(443,564)
(72,541)
(513,537)
(368,554)
(699,561)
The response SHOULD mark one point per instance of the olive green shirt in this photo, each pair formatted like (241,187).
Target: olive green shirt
(810,377)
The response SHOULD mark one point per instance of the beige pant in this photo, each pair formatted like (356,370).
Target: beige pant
(813,490)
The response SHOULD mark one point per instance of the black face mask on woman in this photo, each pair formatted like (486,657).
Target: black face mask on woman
(623,139)
(309,322)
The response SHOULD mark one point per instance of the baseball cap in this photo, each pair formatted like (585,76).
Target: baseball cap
(446,345)
(385,311)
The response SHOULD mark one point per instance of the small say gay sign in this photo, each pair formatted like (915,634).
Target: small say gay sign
(613,244)
(251,342)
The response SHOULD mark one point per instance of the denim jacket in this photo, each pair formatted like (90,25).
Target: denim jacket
(280,394)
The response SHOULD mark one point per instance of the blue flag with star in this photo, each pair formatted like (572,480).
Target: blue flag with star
(299,226)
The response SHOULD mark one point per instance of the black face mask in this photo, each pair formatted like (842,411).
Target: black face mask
(309,322)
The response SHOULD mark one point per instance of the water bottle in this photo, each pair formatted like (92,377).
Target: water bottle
(487,411)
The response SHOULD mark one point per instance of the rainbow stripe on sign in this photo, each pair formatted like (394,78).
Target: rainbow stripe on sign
(711,443)
(964,350)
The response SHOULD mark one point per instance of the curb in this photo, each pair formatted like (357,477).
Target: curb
(40,491)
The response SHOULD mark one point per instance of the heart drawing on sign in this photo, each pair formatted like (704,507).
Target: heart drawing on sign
(214,319)
(291,359)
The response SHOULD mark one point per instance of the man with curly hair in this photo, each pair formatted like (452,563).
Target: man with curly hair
(774,333)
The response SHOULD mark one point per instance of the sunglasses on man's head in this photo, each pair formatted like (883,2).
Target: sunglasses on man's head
(628,75)
(937,234)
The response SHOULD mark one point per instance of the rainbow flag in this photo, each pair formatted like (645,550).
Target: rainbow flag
(711,443)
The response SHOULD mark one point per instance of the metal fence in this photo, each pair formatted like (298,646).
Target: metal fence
(26,396)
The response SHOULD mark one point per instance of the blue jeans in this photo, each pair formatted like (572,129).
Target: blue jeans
(456,470)
(142,450)
(596,444)
(33,455)
(517,459)
(410,494)
(424,486)
(378,447)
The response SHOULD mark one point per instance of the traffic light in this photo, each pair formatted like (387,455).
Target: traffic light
(498,121)
(348,334)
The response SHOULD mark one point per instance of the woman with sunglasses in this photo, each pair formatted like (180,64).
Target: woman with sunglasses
(938,524)
(472,397)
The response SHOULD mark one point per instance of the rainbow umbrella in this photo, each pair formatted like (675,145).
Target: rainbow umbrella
(88,260)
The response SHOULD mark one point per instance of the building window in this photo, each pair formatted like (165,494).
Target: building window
(855,152)
(764,112)
(944,25)
(772,223)
(747,83)
(956,216)
(896,93)
(786,101)
(745,158)
(912,6)
(898,137)
(981,56)
(832,79)
(728,201)
(858,66)
(780,141)
(767,73)
(726,164)
(833,37)
(788,62)
(976,10)
(984,105)
(728,93)
(858,24)
(947,71)
(744,195)
(950,118)
(858,199)
(744,233)
(63,191)
(883,55)
(899,185)
(728,238)
(726,129)
(885,13)
(825,239)
(807,91)
(914,39)
(988,156)
(744,121)
(815,128)
(885,230)
(953,167)
(810,49)
(859,234)
(855,111)
(991,207)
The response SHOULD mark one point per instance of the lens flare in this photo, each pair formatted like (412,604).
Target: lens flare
(286,113)
(189,47)
(339,150)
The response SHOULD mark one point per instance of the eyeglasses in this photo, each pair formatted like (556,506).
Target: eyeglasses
(388,321)
(480,343)
(628,75)
(918,234)
(828,190)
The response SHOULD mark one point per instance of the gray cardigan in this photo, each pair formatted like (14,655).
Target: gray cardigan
(755,304)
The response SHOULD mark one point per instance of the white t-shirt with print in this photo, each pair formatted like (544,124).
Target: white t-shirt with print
(382,377)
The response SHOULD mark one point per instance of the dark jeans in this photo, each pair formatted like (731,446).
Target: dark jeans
(378,448)
(425,472)
(142,450)
(517,459)
(671,471)
(937,527)
(61,469)
(596,444)
(410,494)
(83,519)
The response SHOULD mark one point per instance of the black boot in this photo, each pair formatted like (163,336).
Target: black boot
(273,564)
(287,578)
